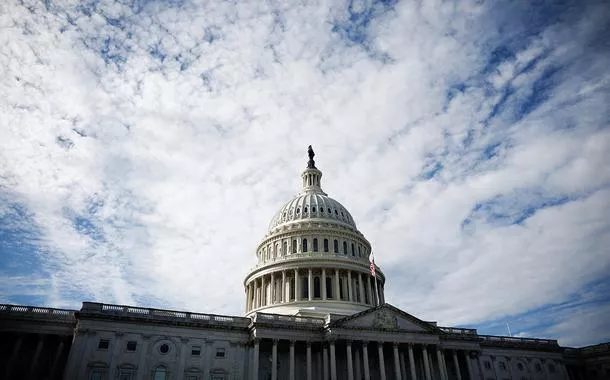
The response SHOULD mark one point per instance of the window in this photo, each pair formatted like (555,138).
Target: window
(298,210)
(353,250)
(192,377)
(103,344)
(315,245)
(305,210)
(160,373)
(284,247)
(196,351)
(329,287)
(127,372)
(538,367)
(359,251)
(487,364)
(336,246)
(313,208)
(98,371)
(304,245)
(220,352)
(294,246)
(164,348)
(345,248)
(131,345)
(329,210)
(502,366)
(325,245)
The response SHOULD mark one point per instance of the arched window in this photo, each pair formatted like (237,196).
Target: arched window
(160,373)
(315,244)
(304,245)
(329,210)
(325,245)
(336,246)
(284,247)
(305,210)
(294,246)
(353,250)
(316,287)
(298,210)
(313,208)
(345,248)
(359,251)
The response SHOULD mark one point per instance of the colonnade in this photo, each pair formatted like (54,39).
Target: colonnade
(47,348)
(313,284)
(367,360)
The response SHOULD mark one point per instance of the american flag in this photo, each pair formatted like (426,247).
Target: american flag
(373,267)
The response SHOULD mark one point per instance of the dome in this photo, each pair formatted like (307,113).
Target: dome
(312,206)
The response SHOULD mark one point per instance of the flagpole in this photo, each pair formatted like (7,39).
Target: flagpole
(374,273)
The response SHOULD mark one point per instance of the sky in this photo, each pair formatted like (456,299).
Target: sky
(145,146)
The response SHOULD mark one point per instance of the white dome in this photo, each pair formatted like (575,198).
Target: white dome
(312,206)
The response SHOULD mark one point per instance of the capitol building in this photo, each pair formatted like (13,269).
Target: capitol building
(314,309)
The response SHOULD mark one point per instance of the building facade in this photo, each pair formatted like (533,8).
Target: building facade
(313,310)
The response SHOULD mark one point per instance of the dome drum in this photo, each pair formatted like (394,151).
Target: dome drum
(325,288)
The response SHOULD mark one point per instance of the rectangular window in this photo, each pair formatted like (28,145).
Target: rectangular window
(196,350)
(325,245)
(294,246)
(220,352)
(103,344)
(315,245)
(336,246)
(131,346)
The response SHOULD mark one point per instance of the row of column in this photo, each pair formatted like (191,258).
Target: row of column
(357,369)
(18,350)
(285,286)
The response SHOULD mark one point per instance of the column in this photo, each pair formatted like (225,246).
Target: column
(357,364)
(396,362)
(370,288)
(255,360)
(469,365)
(333,362)
(325,352)
(310,285)
(14,355)
(58,352)
(36,355)
(365,359)
(337,292)
(403,366)
(323,284)
(272,290)
(360,287)
(296,285)
(445,366)
(309,370)
(274,360)
(439,359)
(291,360)
(283,297)
(350,365)
(381,361)
(457,365)
(264,300)
(426,363)
(350,295)
(412,363)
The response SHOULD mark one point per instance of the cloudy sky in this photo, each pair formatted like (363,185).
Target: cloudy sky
(145,146)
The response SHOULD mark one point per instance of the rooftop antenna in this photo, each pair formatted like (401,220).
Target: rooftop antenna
(508,328)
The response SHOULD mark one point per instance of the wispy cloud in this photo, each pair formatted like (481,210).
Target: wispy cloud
(145,145)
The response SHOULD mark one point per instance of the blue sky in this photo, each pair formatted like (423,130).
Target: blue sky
(145,146)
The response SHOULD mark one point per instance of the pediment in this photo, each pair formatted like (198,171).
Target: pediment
(385,317)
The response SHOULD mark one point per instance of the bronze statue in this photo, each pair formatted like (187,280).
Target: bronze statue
(311,163)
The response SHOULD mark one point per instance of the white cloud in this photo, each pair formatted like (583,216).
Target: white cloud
(176,130)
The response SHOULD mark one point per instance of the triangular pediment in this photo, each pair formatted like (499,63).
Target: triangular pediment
(385,317)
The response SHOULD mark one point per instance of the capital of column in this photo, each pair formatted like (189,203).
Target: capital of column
(292,342)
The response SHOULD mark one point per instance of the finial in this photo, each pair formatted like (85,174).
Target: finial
(311,163)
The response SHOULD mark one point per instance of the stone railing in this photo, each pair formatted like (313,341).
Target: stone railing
(161,314)
(507,340)
(35,311)
(288,319)
(314,255)
(458,331)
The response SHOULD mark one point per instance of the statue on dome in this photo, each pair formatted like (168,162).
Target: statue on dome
(311,164)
